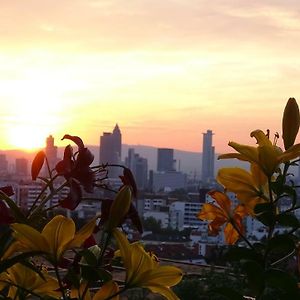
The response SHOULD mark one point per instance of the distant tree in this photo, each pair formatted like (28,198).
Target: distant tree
(152,224)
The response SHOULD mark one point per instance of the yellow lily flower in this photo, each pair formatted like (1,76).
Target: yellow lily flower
(56,237)
(223,214)
(20,277)
(143,269)
(109,289)
(250,188)
(267,156)
(119,207)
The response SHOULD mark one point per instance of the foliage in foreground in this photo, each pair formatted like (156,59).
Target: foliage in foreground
(267,193)
(51,259)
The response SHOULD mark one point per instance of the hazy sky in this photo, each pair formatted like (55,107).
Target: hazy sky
(165,71)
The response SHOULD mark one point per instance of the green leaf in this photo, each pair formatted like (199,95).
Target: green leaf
(277,186)
(288,219)
(93,274)
(265,213)
(255,276)
(73,277)
(89,257)
(229,293)
(241,253)
(5,240)
(291,192)
(281,244)
(278,279)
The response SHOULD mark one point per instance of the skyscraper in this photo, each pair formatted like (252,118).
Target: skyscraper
(139,168)
(110,149)
(208,157)
(51,152)
(165,160)
(21,166)
(3,165)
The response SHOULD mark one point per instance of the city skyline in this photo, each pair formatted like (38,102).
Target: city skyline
(165,71)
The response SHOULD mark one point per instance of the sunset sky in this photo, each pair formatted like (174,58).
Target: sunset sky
(165,71)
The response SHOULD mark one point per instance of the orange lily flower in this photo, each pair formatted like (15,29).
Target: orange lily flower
(223,214)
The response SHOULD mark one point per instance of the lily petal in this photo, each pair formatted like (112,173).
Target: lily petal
(85,232)
(109,289)
(162,275)
(58,233)
(210,212)
(164,291)
(231,235)
(30,238)
(249,153)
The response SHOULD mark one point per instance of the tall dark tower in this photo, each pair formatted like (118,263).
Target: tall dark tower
(117,142)
(51,152)
(110,149)
(208,157)
(165,160)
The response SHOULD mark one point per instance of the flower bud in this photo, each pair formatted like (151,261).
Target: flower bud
(290,123)
(119,208)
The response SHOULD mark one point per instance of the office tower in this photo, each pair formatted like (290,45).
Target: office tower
(3,164)
(208,157)
(51,152)
(139,168)
(21,166)
(110,150)
(165,160)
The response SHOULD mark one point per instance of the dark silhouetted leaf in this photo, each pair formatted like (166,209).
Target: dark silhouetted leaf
(255,276)
(15,210)
(89,257)
(135,218)
(37,164)
(241,253)
(128,179)
(74,197)
(5,214)
(229,293)
(7,190)
(281,280)
(288,220)
(282,244)
(93,274)
(264,213)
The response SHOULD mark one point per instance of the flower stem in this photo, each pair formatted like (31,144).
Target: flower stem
(242,235)
(61,287)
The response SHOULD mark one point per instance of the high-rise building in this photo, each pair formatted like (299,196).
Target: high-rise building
(139,168)
(165,160)
(22,166)
(51,152)
(110,150)
(3,164)
(208,157)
